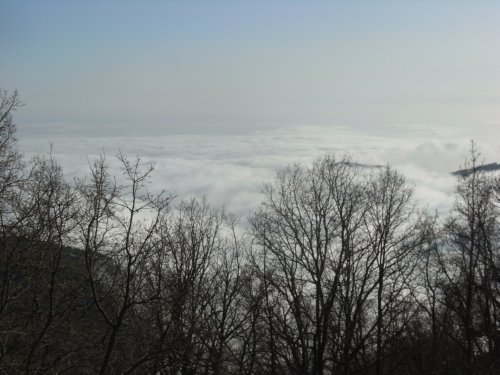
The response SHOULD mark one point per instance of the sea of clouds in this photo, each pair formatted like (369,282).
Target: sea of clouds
(231,168)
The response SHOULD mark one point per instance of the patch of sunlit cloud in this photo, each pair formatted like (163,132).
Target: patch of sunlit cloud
(230,169)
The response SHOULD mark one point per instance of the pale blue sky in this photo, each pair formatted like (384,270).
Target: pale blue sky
(174,66)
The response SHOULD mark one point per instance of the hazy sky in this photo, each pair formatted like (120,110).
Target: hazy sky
(221,94)
(184,66)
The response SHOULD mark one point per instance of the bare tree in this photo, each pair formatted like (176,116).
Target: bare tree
(197,302)
(338,246)
(307,231)
(225,317)
(10,158)
(118,237)
(469,261)
(37,216)
(11,175)
(394,240)
(436,349)
(339,273)
(40,296)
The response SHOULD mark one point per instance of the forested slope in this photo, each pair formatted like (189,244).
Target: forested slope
(339,271)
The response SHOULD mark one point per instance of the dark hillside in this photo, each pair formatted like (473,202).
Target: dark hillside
(491,167)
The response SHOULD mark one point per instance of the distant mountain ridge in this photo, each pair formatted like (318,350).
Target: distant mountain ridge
(491,167)
(360,165)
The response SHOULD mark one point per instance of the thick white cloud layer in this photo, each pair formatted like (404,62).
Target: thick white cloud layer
(231,169)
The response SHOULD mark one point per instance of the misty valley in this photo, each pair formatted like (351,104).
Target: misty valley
(338,270)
